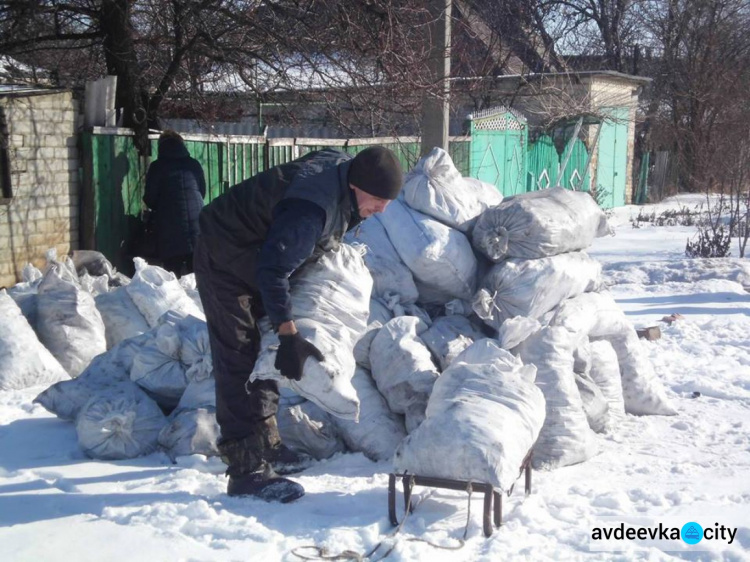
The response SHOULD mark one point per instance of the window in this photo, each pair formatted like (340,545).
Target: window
(7,192)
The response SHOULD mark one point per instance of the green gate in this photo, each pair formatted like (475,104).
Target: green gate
(114,176)
(115,179)
(499,138)
(544,163)
(576,175)
(612,158)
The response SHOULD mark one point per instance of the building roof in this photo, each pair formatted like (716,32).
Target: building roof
(8,90)
(573,74)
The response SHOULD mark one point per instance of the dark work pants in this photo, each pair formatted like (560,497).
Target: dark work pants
(231,307)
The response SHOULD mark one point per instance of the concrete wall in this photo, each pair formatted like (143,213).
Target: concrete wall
(43,210)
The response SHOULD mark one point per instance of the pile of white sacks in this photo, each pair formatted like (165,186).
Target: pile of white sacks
(459,331)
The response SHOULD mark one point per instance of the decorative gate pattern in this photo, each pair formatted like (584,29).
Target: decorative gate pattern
(498,149)
(544,164)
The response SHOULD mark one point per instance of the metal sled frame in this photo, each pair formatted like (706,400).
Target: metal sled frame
(493,500)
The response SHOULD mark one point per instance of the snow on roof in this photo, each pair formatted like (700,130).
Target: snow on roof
(7,89)
(13,71)
(296,75)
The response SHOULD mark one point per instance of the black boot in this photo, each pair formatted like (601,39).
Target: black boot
(249,471)
(282,459)
(266,485)
(285,461)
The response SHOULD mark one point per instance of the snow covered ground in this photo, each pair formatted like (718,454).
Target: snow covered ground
(55,504)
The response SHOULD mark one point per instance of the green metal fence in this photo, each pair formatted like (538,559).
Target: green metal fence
(576,173)
(114,175)
(545,163)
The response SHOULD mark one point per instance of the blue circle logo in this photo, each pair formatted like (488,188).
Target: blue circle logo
(692,533)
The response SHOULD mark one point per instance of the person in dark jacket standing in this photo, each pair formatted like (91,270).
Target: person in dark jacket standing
(175,189)
(253,238)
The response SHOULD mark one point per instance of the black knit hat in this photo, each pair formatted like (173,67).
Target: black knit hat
(377,171)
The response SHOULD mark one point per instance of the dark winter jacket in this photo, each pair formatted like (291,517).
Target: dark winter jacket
(264,228)
(175,188)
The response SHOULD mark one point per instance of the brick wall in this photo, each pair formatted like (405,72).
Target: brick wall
(43,211)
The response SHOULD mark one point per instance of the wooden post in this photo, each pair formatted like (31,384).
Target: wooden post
(436,102)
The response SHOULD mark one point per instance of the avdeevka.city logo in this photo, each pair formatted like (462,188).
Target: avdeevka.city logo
(692,533)
(651,533)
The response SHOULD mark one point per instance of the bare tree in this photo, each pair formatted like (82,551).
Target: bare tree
(366,54)
(605,28)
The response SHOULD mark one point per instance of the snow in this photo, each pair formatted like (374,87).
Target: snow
(55,504)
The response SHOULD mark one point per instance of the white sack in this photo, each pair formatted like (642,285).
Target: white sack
(515,330)
(115,426)
(31,273)
(597,316)
(195,348)
(25,293)
(26,296)
(287,397)
(440,257)
(448,336)
(157,367)
(582,358)
(66,398)
(156,291)
(188,283)
(389,274)
(198,394)
(483,417)
(190,432)
(362,347)
(436,188)
(308,429)
(122,319)
(379,431)
(65,266)
(379,312)
(605,372)
(403,369)
(68,323)
(519,287)
(566,437)
(458,307)
(92,262)
(24,361)
(594,404)
(409,310)
(330,304)
(94,285)
(539,224)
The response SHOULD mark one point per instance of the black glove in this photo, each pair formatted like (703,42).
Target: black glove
(292,353)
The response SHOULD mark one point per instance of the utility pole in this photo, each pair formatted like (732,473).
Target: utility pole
(436,101)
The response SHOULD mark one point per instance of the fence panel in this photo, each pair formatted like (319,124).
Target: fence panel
(459,149)
(113,186)
(280,151)
(544,163)
(115,174)
(406,148)
(576,174)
